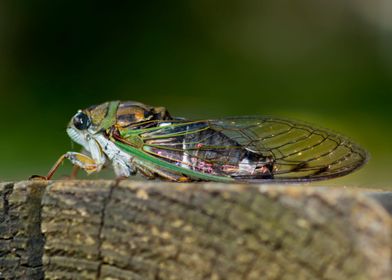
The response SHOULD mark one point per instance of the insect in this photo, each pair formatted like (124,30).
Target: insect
(136,138)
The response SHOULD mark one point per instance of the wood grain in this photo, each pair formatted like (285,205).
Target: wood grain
(160,230)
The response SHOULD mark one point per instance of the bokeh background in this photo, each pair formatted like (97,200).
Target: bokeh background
(325,62)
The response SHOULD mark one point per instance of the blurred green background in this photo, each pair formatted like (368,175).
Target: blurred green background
(325,62)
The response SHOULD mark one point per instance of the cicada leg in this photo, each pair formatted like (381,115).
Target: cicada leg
(76,168)
(169,175)
(146,172)
(77,159)
(74,172)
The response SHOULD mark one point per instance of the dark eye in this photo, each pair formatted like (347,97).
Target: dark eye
(81,121)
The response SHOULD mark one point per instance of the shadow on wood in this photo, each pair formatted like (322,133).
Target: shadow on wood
(160,230)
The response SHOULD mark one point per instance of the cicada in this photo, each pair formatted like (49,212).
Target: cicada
(136,138)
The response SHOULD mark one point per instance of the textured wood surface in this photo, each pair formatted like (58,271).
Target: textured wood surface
(159,230)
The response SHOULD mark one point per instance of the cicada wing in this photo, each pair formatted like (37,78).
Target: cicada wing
(248,148)
(300,151)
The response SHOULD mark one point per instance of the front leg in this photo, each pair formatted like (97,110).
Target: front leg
(77,159)
(83,161)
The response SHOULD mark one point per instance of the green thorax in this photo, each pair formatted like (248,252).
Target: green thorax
(110,118)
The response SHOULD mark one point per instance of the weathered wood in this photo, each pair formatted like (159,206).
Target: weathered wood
(159,230)
(21,239)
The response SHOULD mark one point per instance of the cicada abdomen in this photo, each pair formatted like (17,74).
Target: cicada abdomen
(199,147)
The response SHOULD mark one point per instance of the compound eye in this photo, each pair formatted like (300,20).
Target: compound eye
(81,121)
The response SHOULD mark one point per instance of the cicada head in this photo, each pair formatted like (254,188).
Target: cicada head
(78,127)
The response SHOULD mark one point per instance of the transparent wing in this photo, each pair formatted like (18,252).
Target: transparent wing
(299,150)
(251,148)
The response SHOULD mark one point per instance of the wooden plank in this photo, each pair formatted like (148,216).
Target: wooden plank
(21,238)
(161,230)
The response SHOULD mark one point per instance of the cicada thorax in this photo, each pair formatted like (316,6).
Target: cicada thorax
(124,114)
(129,113)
